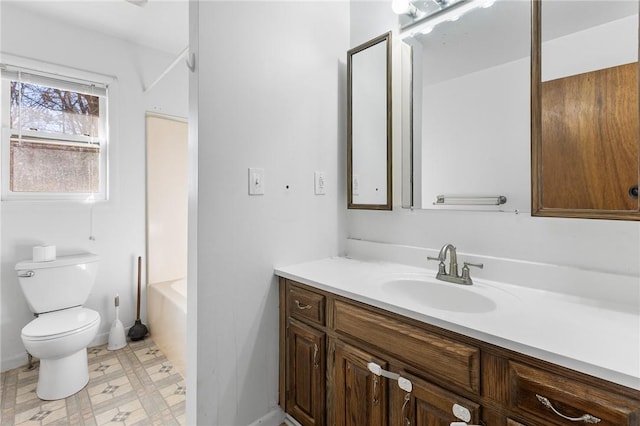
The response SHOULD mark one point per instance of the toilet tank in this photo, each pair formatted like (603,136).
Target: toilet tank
(57,284)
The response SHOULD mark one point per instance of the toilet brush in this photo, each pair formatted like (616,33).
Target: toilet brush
(117,339)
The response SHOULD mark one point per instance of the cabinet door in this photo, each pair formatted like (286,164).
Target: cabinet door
(360,396)
(305,374)
(427,405)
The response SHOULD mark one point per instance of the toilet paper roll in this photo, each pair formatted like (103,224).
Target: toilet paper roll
(44,253)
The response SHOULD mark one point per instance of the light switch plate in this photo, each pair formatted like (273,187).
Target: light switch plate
(320,183)
(256,181)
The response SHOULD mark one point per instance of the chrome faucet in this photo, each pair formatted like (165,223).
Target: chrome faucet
(452,276)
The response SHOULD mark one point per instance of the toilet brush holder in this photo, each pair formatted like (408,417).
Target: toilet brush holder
(117,338)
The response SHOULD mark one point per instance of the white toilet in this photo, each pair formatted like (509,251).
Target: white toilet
(59,336)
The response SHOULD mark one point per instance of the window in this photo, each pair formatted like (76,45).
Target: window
(54,137)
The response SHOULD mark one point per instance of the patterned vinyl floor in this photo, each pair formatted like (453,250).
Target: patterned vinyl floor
(135,385)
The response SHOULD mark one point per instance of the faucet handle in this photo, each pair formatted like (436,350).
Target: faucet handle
(441,266)
(477,265)
(466,277)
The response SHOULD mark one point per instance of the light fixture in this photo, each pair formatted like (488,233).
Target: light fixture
(413,13)
(404,7)
(470,200)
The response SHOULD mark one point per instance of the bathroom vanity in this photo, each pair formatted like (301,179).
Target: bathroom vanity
(339,315)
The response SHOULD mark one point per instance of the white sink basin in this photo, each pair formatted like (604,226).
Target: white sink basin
(439,295)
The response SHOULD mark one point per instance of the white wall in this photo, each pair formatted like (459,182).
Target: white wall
(591,244)
(118,224)
(271,94)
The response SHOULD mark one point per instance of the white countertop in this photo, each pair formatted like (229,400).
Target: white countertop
(586,335)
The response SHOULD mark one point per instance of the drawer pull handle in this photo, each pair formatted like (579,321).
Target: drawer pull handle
(586,418)
(301,306)
(405,416)
(316,364)
(376,398)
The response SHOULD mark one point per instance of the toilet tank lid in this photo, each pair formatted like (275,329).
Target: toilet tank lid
(58,262)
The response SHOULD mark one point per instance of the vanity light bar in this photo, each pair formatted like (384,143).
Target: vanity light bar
(416,17)
(470,200)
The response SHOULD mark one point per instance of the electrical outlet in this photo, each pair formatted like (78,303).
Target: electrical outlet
(256,181)
(355,185)
(320,183)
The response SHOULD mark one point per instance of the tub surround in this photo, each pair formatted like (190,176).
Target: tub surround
(167,314)
(596,336)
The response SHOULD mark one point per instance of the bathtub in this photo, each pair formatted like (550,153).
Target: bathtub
(167,317)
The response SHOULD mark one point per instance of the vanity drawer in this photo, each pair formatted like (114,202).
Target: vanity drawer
(534,391)
(305,304)
(454,362)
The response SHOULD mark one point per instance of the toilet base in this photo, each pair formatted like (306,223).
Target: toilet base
(62,377)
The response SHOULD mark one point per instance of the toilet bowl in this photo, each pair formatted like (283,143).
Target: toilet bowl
(59,336)
(60,339)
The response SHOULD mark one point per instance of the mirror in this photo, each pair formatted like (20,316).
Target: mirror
(584,113)
(369,124)
(470,109)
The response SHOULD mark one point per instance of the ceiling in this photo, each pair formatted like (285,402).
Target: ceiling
(159,24)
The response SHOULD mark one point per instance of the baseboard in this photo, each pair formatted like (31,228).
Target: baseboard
(274,418)
(14,362)
(290,421)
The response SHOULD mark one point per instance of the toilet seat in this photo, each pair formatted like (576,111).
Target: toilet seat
(54,325)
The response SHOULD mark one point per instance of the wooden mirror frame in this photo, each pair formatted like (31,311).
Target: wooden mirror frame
(384,38)
(537,207)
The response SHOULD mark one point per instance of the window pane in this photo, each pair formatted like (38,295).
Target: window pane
(51,110)
(50,167)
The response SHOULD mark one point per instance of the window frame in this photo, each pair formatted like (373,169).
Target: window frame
(71,80)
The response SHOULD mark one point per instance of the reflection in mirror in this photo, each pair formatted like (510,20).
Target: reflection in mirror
(585,109)
(470,103)
(369,124)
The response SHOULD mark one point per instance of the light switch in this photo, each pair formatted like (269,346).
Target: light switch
(256,181)
(320,183)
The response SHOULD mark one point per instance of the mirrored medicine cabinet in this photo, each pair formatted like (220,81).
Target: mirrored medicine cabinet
(369,125)
(584,109)
(470,102)
(493,114)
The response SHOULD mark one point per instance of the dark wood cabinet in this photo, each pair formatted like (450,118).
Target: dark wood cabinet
(306,377)
(427,405)
(554,400)
(328,340)
(437,356)
(303,354)
(360,397)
